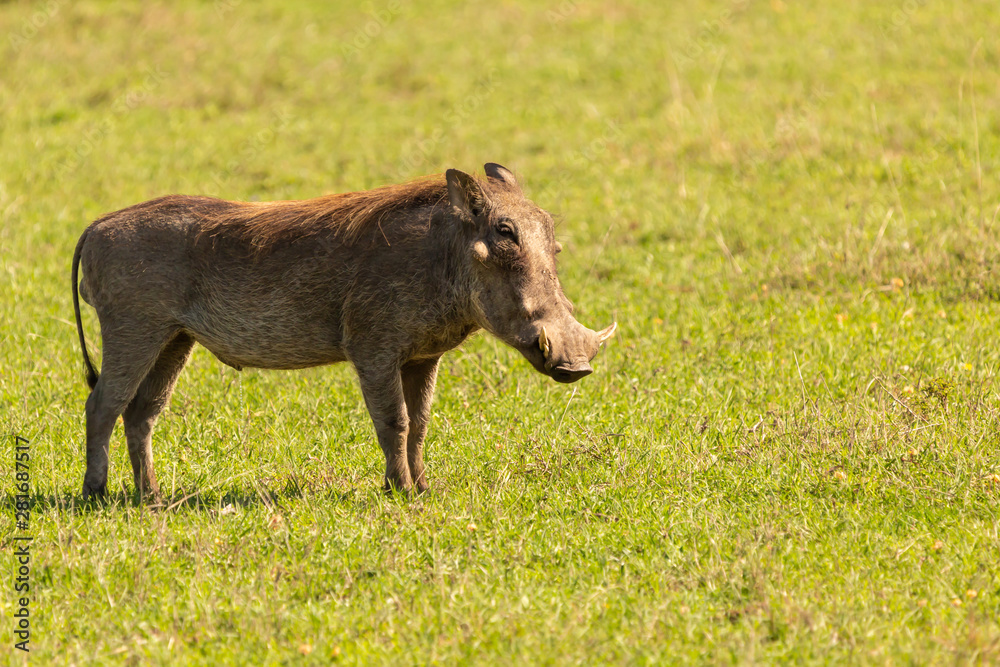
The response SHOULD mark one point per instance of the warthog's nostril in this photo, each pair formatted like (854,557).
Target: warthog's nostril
(571,372)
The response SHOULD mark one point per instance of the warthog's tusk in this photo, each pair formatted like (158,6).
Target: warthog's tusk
(543,343)
(605,334)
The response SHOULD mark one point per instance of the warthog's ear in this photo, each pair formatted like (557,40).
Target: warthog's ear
(500,173)
(465,193)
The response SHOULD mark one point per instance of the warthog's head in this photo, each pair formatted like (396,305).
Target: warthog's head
(516,292)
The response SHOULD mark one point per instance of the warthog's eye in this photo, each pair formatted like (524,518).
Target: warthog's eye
(506,230)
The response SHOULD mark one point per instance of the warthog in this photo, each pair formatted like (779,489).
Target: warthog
(388,279)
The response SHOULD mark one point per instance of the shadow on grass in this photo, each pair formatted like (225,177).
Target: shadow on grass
(272,494)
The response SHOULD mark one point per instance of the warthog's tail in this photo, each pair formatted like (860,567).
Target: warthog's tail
(88,366)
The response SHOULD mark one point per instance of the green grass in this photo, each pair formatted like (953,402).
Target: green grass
(789,454)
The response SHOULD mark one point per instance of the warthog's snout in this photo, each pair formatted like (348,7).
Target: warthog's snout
(566,357)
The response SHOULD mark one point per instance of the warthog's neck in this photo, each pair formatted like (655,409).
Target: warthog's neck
(454,238)
(417,271)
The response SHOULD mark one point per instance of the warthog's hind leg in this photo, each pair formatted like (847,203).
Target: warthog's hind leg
(383,392)
(129,354)
(419,378)
(141,413)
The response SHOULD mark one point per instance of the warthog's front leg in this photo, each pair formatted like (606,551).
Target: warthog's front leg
(419,378)
(383,392)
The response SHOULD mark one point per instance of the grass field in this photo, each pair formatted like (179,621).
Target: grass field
(791,453)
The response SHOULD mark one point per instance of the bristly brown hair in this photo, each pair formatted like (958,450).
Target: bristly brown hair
(349,215)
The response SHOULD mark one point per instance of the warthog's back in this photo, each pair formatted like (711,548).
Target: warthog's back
(165,261)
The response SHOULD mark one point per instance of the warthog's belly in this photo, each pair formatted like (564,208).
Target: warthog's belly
(271,331)
(268,353)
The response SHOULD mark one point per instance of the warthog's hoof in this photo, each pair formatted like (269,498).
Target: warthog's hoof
(147,491)
(151,499)
(94,492)
(394,488)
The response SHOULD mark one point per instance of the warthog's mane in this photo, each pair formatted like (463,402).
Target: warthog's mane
(349,215)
